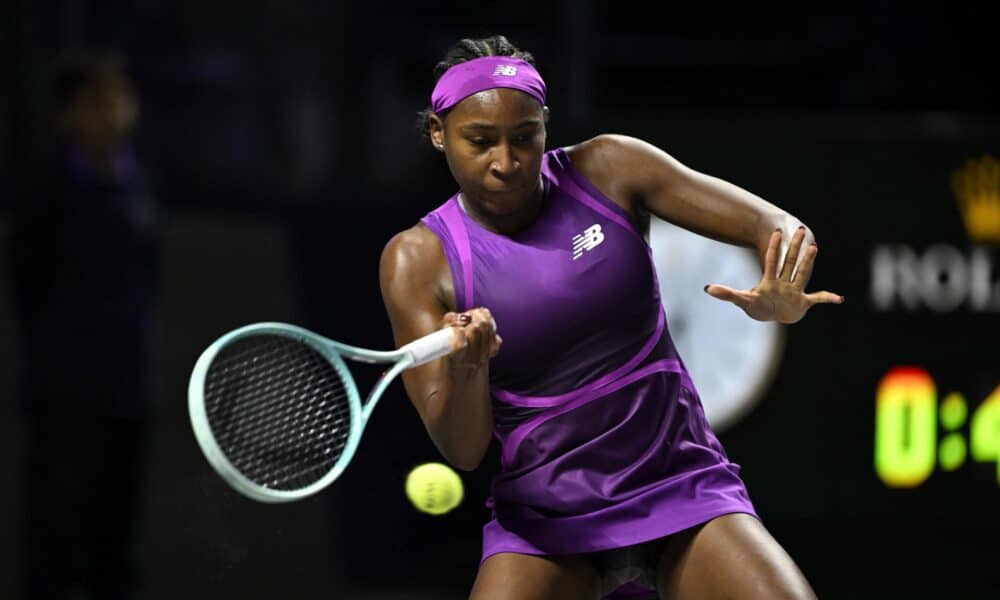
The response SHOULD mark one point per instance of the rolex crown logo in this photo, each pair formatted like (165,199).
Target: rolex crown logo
(977,190)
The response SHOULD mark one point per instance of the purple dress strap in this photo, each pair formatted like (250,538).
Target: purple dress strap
(448,223)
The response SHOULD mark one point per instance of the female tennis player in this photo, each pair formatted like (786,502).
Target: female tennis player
(611,482)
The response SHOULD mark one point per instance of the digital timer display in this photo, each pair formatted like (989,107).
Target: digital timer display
(907,417)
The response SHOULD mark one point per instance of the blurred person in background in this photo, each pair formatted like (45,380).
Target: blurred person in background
(84,258)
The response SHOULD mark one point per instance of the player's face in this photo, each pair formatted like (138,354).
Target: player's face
(103,114)
(494,141)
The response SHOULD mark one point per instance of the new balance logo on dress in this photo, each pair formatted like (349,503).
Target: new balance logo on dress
(505,70)
(587,241)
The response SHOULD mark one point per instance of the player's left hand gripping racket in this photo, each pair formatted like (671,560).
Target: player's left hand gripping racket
(276,411)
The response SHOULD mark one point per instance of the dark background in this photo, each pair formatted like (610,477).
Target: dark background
(279,137)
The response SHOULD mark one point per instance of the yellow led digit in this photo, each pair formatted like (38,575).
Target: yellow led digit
(984,436)
(906,427)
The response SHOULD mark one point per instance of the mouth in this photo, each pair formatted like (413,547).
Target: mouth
(504,192)
(508,189)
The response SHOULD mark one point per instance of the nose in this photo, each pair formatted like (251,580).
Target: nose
(504,163)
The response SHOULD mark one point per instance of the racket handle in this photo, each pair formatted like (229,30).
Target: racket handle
(431,347)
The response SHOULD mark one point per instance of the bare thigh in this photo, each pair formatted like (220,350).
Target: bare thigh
(511,576)
(732,556)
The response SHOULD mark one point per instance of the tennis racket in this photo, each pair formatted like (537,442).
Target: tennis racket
(276,411)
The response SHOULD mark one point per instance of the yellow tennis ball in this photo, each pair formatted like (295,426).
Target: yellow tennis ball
(434,488)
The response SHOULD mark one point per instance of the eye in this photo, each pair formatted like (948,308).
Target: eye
(480,141)
(524,137)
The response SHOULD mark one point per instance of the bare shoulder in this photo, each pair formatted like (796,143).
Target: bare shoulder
(606,153)
(411,252)
(630,171)
(412,263)
(610,162)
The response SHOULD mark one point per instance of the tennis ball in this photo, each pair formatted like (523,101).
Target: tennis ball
(434,488)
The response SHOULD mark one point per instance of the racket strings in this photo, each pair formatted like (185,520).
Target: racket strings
(278,410)
(274,426)
(254,413)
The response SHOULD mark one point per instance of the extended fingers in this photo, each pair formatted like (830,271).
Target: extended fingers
(825,298)
(793,254)
(804,272)
(722,292)
(772,254)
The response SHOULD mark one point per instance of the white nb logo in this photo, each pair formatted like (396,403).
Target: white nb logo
(587,241)
(505,70)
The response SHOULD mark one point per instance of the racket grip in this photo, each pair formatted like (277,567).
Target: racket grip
(431,347)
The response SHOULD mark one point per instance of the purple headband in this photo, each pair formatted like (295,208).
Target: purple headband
(473,76)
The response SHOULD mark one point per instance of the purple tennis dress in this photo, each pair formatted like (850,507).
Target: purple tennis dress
(604,441)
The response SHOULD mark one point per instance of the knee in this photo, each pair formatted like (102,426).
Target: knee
(785,584)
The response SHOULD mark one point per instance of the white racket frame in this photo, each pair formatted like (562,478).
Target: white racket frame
(417,352)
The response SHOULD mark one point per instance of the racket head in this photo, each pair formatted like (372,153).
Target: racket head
(204,392)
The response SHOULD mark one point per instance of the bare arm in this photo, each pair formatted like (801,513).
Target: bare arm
(451,394)
(638,175)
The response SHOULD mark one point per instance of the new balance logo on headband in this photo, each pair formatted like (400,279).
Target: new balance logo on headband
(505,70)
(587,241)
